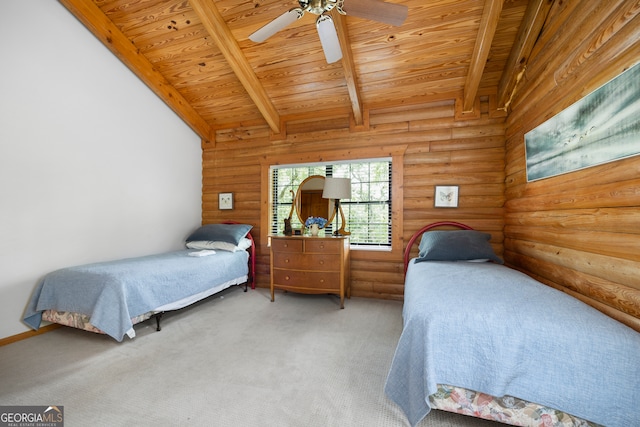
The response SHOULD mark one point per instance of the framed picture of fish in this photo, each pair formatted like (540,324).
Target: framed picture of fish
(602,127)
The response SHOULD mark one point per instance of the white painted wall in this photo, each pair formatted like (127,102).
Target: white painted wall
(93,165)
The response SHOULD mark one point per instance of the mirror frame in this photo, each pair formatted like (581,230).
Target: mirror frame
(297,200)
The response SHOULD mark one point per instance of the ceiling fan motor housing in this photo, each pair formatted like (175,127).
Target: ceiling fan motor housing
(317,7)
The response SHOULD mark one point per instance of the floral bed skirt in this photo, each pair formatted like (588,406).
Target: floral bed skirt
(506,409)
(82,321)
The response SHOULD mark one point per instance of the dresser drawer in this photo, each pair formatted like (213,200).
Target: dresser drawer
(286,245)
(302,281)
(297,261)
(327,246)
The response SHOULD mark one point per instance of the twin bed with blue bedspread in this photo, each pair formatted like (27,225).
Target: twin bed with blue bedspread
(110,297)
(485,340)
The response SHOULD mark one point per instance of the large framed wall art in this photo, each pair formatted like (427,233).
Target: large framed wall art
(602,127)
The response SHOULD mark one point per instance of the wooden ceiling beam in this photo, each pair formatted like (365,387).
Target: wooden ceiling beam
(101,26)
(488,25)
(349,67)
(219,31)
(532,23)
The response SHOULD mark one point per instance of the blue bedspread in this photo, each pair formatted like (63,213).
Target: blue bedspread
(111,293)
(492,329)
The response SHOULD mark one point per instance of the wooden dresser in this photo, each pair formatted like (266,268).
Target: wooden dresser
(313,265)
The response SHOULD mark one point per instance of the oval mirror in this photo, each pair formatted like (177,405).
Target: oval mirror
(309,202)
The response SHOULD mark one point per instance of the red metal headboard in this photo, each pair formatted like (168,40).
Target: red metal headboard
(418,233)
(252,256)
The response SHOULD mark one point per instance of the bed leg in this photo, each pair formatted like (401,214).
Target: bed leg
(246,284)
(158,316)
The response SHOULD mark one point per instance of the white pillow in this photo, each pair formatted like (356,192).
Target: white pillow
(243,245)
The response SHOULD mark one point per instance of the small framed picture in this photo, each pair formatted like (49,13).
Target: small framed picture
(446,196)
(225,201)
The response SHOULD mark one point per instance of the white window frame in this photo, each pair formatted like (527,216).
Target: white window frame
(362,236)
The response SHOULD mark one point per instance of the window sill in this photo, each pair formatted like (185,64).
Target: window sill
(371,248)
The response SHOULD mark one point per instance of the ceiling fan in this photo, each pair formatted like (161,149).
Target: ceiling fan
(376,10)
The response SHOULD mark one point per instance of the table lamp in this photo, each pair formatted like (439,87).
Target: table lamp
(336,189)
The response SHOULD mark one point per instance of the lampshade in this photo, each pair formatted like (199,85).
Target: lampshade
(337,188)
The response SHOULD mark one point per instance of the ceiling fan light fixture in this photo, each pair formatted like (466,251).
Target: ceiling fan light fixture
(329,39)
(317,7)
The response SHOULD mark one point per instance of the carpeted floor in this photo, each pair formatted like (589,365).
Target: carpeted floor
(235,359)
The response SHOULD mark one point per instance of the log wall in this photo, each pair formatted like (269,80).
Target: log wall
(437,148)
(578,232)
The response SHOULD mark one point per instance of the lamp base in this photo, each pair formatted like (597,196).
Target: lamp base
(337,210)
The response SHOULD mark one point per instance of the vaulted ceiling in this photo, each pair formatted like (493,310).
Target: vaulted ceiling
(196,55)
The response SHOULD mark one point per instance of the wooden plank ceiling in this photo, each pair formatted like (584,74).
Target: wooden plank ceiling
(197,56)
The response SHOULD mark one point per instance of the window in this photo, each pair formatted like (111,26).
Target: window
(367,213)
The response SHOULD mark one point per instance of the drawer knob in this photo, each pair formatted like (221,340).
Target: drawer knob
(286,245)
(321,246)
(321,280)
(321,262)
(286,260)
(286,277)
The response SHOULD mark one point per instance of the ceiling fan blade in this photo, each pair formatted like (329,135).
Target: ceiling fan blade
(276,25)
(377,10)
(329,39)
